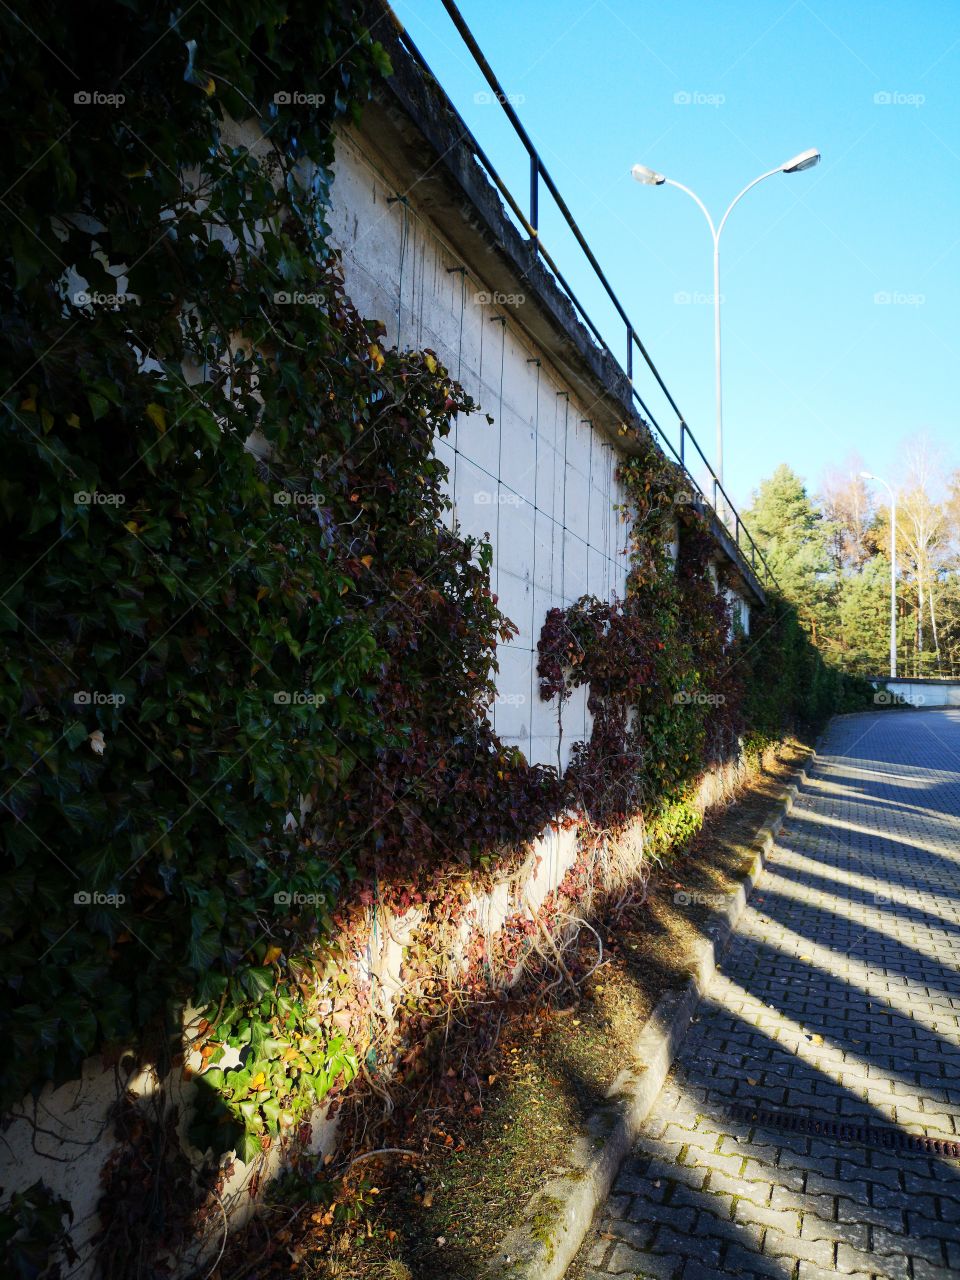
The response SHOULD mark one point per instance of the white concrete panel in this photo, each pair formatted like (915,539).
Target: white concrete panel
(516,537)
(511,708)
(476,499)
(575,568)
(515,597)
(480,440)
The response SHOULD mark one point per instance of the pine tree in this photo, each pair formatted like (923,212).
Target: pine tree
(795,538)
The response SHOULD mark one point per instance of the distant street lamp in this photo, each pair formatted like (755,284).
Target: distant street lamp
(868,475)
(650,178)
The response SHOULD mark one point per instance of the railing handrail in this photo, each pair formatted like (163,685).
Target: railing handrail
(529,224)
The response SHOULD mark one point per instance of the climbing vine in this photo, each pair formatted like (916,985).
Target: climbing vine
(674,686)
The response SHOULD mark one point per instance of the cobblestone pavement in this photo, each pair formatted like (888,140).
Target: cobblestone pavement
(839,996)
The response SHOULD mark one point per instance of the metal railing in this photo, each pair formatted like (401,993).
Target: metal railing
(529,223)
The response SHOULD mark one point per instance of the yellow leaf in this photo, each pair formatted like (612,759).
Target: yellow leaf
(258,1081)
(430,363)
(367,560)
(132,526)
(376,356)
(210,88)
(30,404)
(273,954)
(262,592)
(157,415)
(73,420)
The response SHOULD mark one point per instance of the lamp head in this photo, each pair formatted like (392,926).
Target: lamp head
(805,160)
(649,177)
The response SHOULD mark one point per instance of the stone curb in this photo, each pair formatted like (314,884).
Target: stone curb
(558,1217)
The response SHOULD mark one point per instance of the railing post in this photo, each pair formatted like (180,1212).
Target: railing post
(630,353)
(715,507)
(683,431)
(535,200)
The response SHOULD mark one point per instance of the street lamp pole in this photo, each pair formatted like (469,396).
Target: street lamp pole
(868,475)
(650,178)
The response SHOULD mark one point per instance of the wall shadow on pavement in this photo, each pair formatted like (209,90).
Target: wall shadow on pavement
(717,1194)
(864,1030)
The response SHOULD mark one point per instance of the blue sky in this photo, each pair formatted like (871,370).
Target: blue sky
(815,366)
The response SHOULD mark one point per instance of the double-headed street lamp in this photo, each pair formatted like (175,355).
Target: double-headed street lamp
(650,178)
(868,475)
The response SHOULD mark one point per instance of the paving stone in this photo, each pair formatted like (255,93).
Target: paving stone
(789,1180)
(809,1271)
(597,1252)
(723,1184)
(926,1271)
(895,1267)
(619,1206)
(643,1265)
(783,1220)
(791,1246)
(822,1206)
(679,1216)
(624,1259)
(887,1242)
(703,1248)
(890,1218)
(636,1234)
(739,1261)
